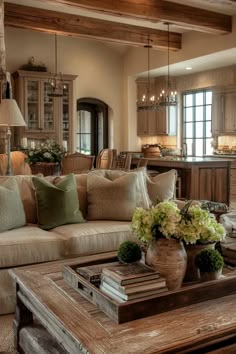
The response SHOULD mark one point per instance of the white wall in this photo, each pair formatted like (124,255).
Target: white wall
(98,66)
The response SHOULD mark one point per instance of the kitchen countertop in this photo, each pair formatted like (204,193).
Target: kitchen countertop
(204,159)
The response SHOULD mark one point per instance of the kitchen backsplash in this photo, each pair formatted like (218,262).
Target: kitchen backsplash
(167,141)
(227,144)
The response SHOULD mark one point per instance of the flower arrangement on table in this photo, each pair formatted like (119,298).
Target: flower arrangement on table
(192,224)
(49,151)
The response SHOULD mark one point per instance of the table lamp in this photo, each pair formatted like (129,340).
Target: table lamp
(10,116)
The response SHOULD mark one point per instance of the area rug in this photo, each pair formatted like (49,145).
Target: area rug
(6,334)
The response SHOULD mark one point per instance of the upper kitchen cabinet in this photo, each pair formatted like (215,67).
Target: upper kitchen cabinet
(162,121)
(229,114)
(224,112)
(146,123)
(46,117)
(166,120)
(217,113)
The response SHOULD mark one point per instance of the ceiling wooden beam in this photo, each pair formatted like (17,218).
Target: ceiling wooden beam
(67,24)
(159,11)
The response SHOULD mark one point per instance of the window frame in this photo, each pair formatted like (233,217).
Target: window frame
(194,121)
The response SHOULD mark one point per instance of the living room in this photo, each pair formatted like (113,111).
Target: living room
(109,71)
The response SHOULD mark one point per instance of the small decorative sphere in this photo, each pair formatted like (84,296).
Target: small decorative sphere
(129,251)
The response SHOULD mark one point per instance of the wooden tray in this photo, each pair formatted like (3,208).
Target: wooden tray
(150,305)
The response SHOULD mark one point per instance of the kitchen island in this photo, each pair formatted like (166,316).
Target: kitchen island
(205,178)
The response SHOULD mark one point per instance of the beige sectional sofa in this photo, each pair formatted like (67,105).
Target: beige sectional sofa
(106,199)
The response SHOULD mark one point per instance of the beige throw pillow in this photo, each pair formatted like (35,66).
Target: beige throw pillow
(111,200)
(142,198)
(162,187)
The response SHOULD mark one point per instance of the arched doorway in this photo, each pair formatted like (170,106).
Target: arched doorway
(91,126)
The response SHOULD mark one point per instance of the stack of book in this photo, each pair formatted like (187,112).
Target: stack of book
(125,282)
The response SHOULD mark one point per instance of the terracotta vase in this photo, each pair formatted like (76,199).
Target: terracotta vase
(170,259)
(192,272)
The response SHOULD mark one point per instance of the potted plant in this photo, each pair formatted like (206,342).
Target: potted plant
(198,229)
(158,228)
(45,158)
(129,251)
(210,264)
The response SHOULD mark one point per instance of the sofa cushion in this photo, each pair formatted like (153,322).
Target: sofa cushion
(94,236)
(111,200)
(57,204)
(162,187)
(142,198)
(12,214)
(29,244)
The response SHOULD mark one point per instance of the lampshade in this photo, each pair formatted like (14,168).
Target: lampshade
(10,114)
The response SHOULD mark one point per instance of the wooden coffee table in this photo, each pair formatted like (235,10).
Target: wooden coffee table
(71,324)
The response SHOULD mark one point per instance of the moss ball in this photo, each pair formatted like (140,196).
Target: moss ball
(129,251)
(209,260)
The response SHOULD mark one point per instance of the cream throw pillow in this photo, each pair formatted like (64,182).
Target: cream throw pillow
(111,200)
(142,198)
(162,187)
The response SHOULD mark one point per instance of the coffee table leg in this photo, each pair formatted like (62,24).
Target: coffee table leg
(23,317)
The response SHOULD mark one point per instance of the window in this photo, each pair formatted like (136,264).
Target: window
(197,122)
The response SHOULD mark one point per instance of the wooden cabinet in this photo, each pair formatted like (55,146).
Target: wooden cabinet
(217,113)
(229,116)
(166,120)
(158,122)
(224,112)
(46,117)
(233,181)
(199,178)
(146,123)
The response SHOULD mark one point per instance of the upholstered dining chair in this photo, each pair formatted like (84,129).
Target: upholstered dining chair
(122,162)
(77,163)
(106,158)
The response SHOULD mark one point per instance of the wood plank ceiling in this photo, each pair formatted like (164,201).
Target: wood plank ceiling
(149,10)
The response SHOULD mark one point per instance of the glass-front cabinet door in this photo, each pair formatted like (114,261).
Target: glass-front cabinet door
(33,104)
(46,117)
(48,123)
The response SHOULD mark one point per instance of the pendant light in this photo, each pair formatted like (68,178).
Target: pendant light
(148,101)
(168,97)
(55,80)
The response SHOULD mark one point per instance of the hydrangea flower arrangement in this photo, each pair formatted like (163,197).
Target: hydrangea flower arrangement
(161,220)
(49,151)
(191,224)
(199,226)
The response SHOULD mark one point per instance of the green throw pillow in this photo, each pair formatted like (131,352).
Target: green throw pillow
(57,205)
(12,214)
